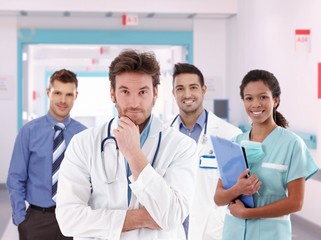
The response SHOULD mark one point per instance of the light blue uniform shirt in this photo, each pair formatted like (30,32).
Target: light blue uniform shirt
(29,177)
(286,158)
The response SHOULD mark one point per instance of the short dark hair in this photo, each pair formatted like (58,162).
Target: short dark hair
(180,68)
(130,60)
(64,76)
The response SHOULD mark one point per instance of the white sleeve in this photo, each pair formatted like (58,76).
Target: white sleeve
(167,193)
(74,215)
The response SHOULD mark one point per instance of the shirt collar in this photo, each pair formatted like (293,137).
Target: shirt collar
(54,121)
(200,121)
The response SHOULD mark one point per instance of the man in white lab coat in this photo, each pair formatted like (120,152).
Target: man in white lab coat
(206,220)
(130,178)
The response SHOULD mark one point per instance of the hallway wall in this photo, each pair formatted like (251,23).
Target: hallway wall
(8,91)
(262,36)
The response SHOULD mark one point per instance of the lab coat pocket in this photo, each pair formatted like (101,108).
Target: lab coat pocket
(161,171)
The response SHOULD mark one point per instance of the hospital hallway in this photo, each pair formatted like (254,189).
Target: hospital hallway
(302,230)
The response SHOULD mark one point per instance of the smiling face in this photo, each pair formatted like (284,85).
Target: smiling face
(259,102)
(188,93)
(134,96)
(62,97)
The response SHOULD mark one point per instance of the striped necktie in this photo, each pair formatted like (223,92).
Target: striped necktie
(59,146)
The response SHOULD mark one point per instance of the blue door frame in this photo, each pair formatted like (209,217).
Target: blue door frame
(104,37)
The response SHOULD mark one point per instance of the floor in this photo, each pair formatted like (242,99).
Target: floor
(302,230)
(7,230)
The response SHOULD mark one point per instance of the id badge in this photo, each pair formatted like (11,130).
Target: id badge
(208,161)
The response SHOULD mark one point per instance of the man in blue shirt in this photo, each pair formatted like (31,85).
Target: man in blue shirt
(205,220)
(30,172)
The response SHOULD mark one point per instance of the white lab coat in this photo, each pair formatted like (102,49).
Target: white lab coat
(206,219)
(90,208)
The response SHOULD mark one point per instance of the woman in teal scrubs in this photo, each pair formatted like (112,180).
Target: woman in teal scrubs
(279,164)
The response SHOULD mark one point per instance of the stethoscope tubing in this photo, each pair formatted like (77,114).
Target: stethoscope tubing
(205,125)
(113,138)
(108,137)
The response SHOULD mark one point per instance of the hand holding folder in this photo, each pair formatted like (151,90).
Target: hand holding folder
(231,161)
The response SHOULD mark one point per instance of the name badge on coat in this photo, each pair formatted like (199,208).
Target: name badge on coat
(208,161)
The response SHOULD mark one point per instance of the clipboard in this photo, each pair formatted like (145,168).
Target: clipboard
(231,161)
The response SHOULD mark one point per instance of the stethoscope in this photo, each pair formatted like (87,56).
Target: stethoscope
(204,137)
(112,140)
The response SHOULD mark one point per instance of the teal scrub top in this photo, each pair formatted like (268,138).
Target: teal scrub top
(286,158)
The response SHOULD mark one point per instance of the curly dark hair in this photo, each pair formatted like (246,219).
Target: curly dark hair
(273,84)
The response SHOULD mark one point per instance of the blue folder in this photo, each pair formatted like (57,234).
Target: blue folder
(231,161)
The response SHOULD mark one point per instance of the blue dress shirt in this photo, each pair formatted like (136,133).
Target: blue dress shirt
(195,132)
(29,177)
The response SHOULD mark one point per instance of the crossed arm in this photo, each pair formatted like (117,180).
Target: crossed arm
(138,218)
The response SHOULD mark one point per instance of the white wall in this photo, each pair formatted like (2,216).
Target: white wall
(139,6)
(210,57)
(8,97)
(262,36)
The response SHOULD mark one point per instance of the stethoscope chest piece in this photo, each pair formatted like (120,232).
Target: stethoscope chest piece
(204,139)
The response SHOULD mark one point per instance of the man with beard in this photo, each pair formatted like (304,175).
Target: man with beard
(131,178)
(206,219)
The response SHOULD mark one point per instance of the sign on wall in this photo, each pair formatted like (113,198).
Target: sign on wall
(130,20)
(319,80)
(6,88)
(303,40)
